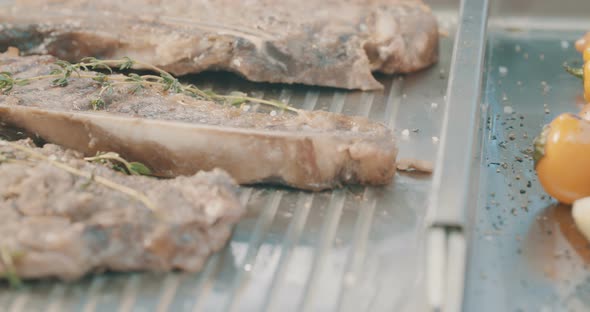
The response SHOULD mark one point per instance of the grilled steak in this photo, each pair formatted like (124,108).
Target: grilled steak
(54,223)
(176,134)
(337,43)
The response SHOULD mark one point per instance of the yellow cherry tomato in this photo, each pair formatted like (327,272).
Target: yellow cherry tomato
(586,54)
(561,157)
(583,42)
(585,112)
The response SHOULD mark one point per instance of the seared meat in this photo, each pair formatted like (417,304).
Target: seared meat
(337,43)
(176,134)
(59,224)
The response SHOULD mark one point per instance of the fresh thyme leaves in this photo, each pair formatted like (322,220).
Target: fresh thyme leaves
(97,103)
(8,260)
(32,154)
(127,64)
(7,82)
(93,63)
(138,168)
(576,72)
(132,168)
(64,71)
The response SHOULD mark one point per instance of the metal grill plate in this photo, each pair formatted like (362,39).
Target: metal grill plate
(355,249)
(526,254)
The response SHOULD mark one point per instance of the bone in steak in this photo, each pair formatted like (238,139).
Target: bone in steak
(335,43)
(57,224)
(176,134)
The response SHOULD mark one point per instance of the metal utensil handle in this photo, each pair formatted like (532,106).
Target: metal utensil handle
(448,201)
(446,246)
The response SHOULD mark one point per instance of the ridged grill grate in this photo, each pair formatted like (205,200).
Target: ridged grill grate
(353,249)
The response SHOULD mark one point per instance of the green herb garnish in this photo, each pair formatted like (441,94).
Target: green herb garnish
(132,168)
(576,72)
(33,155)
(8,260)
(64,71)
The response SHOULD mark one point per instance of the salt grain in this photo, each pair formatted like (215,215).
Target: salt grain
(435,139)
(508,110)
(406,133)
(434,105)
(273,113)
(503,70)
(349,279)
(545,87)
(565,44)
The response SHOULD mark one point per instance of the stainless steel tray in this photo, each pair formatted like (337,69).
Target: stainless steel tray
(355,249)
(526,254)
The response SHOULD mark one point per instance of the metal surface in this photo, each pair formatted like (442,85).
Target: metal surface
(525,252)
(451,180)
(449,200)
(356,249)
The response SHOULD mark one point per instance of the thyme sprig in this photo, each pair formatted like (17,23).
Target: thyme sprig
(9,260)
(32,154)
(63,72)
(574,71)
(129,167)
